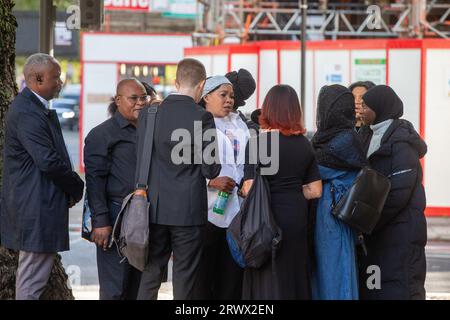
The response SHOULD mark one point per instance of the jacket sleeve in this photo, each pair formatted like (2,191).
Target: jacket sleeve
(210,165)
(97,165)
(35,137)
(403,176)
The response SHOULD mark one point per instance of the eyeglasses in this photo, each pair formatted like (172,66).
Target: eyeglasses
(135,99)
(363,105)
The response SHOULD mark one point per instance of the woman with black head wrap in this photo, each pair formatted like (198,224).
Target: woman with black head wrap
(244,85)
(397,245)
(340,158)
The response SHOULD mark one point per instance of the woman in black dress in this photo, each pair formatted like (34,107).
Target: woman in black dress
(296,181)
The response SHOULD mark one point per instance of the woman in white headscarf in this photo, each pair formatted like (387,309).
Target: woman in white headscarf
(219,276)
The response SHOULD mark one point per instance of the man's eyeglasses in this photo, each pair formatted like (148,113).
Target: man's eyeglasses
(135,99)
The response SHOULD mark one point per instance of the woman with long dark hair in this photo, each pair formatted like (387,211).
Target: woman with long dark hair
(296,181)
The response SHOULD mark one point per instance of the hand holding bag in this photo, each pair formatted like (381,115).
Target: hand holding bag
(363,203)
(131,229)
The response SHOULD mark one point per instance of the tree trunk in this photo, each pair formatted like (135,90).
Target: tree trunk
(57,288)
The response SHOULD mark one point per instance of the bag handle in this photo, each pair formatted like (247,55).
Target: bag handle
(146,156)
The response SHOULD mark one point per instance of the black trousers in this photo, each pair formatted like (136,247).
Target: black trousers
(118,280)
(219,277)
(186,245)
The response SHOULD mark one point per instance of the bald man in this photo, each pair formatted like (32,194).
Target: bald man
(39,184)
(110,163)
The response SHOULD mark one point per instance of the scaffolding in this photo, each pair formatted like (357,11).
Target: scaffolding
(244,20)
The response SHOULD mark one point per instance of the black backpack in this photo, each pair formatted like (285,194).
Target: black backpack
(253,236)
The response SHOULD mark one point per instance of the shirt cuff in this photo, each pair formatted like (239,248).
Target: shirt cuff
(101,220)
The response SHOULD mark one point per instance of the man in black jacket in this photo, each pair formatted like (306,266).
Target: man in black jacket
(177,185)
(110,162)
(39,184)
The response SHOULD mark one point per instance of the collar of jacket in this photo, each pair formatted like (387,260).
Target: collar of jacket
(123,123)
(26,92)
(386,146)
(179,97)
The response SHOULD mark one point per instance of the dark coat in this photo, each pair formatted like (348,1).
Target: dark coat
(397,244)
(365,135)
(177,192)
(37,179)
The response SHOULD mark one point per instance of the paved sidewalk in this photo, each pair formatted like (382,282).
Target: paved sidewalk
(91,292)
(165,293)
(438,230)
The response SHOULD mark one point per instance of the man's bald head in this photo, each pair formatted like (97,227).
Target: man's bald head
(42,75)
(130,99)
(123,85)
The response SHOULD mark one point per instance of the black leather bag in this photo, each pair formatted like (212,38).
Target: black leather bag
(361,206)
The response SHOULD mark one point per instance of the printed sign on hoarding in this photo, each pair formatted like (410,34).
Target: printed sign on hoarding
(185,9)
(128,5)
(370,70)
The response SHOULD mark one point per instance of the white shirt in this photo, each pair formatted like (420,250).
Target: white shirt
(232,138)
(44,102)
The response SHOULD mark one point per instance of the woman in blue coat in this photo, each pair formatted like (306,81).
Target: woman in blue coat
(397,244)
(340,157)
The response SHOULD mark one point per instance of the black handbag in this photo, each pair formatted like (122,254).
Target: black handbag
(361,206)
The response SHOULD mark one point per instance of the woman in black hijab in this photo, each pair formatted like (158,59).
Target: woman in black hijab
(340,158)
(397,245)
(244,85)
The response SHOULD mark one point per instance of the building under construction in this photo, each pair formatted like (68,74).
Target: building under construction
(248,20)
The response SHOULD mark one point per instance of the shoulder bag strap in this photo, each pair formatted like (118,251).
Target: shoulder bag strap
(146,156)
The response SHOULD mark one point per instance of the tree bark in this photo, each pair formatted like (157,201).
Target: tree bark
(57,287)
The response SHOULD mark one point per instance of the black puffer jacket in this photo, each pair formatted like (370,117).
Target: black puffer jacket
(397,244)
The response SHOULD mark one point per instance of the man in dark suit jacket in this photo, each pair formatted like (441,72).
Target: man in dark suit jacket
(177,185)
(39,184)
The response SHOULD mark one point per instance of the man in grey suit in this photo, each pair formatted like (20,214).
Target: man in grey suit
(39,184)
(177,189)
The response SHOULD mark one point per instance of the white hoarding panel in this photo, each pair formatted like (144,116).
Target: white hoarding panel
(249,62)
(291,73)
(134,48)
(331,67)
(269,72)
(368,65)
(99,85)
(437,127)
(219,65)
(404,78)
(206,59)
